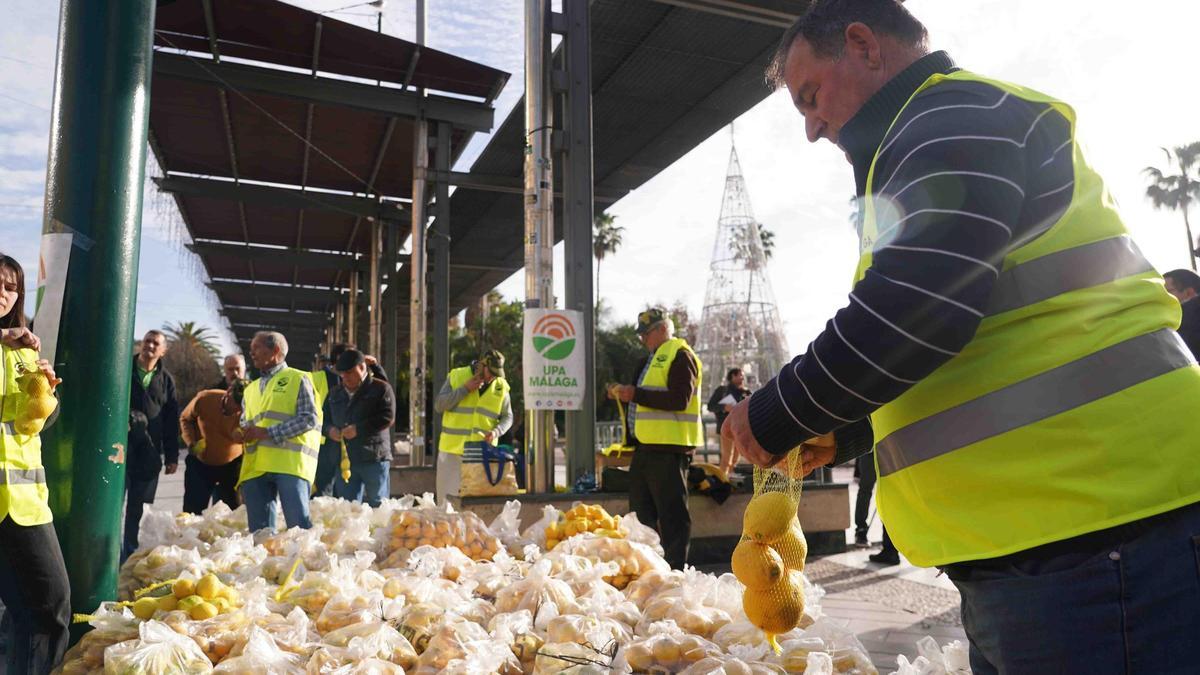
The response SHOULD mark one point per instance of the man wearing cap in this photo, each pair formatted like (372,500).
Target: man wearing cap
(359,416)
(664,427)
(475,405)
(210,428)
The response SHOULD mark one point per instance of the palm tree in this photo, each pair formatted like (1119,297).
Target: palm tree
(1177,191)
(190,333)
(606,239)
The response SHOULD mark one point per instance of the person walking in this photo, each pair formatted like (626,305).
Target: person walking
(664,426)
(720,403)
(152,393)
(474,404)
(1185,286)
(281,430)
(211,430)
(1031,406)
(34,586)
(361,413)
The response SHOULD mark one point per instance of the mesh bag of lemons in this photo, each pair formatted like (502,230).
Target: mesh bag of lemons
(770,556)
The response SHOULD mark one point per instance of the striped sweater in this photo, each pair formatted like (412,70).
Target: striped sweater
(970,173)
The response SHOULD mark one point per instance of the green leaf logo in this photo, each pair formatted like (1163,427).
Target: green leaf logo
(554,337)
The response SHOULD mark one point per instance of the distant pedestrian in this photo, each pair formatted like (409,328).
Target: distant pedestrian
(282,432)
(210,426)
(361,413)
(1185,286)
(720,403)
(232,370)
(152,393)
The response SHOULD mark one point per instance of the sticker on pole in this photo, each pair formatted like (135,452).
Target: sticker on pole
(553,360)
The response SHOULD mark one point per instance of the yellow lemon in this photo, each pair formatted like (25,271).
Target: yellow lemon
(184,588)
(776,609)
(793,547)
(221,604)
(231,594)
(768,517)
(35,384)
(186,604)
(40,407)
(144,608)
(203,610)
(28,426)
(756,565)
(168,603)
(208,587)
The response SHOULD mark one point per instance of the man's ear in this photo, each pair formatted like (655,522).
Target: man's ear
(862,43)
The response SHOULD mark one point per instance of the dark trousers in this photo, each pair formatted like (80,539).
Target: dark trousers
(658,494)
(866,486)
(1127,604)
(204,484)
(329,460)
(36,595)
(133,520)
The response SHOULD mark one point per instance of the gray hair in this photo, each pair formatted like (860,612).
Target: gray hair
(237,357)
(669,323)
(273,340)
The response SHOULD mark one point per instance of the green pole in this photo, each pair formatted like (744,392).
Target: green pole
(94,175)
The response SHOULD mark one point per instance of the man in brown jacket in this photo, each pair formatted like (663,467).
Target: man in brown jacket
(210,428)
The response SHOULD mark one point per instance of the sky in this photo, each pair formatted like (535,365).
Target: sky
(1117,64)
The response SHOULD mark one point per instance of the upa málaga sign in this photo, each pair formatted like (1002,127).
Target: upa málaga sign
(553,360)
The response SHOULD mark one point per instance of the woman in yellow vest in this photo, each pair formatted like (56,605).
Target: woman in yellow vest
(33,577)
(1033,409)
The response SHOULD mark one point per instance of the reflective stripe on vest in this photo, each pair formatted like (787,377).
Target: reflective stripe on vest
(1066,411)
(474,415)
(295,456)
(23,492)
(668,427)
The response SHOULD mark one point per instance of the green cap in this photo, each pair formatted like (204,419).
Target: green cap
(494,361)
(649,318)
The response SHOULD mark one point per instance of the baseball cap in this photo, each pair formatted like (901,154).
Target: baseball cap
(649,318)
(494,361)
(348,360)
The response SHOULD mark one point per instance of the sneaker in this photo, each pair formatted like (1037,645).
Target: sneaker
(860,539)
(885,558)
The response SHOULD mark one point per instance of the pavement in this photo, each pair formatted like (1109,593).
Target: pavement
(888,607)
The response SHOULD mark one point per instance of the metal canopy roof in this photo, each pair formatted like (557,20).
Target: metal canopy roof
(275,171)
(665,75)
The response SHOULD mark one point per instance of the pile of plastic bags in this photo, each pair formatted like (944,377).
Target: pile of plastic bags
(412,587)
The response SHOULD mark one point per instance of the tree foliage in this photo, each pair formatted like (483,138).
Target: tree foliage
(606,239)
(193,365)
(190,332)
(1177,191)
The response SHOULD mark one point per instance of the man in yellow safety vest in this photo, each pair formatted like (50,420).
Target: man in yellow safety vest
(1032,409)
(664,426)
(475,405)
(281,425)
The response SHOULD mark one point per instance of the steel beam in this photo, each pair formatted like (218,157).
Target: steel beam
(249,315)
(278,293)
(440,271)
(508,184)
(271,195)
(463,114)
(309,259)
(418,298)
(391,342)
(738,10)
(577,228)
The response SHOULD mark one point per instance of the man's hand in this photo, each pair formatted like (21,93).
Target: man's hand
(737,429)
(18,338)
(335,434)
(624,392)
(370,360)
(172,468)
(474,383)
(252,434)
(490,437)
(817,452)
(48,370)
(349,432)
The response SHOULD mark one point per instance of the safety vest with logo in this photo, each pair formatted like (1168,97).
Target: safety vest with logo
(1071,410)
(475,413)
(295,456)
(320,380)
(23,493)
(668,427)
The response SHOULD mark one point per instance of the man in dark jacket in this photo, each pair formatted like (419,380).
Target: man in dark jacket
(1185,286)
(720,403)
(151,393)
(360,414)
(331,452)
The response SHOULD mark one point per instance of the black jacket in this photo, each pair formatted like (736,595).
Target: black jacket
(714,402)
(159,405)
(372,410)
(1189,326)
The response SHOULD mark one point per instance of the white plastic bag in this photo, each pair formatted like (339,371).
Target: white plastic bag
(158,649)
(262,656)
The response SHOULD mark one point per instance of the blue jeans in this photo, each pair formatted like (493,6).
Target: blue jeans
(328,459)
(369,483)
(259,496)
(1131,604)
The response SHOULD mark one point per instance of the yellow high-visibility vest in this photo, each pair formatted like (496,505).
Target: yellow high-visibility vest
(1073,408)
(295,456)
(474,414)
(668,427)
(320,380)
(23,493)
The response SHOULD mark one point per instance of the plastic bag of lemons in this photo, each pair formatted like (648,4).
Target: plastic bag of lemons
(39,402)
(581,519)
(770,556)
